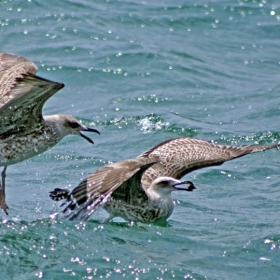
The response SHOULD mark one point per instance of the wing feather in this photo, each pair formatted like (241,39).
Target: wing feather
(12,67)
(22,93)
(177,157)
(117,180)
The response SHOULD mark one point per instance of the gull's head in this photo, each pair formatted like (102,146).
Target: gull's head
(163,186)
(69,125)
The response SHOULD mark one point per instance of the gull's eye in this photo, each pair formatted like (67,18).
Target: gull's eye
(74,124)
(164,183)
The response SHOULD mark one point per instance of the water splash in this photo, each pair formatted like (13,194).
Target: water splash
(149,124)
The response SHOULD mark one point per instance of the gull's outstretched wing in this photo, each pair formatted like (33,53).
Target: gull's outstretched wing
(22,93)
(179,156)
(118,180)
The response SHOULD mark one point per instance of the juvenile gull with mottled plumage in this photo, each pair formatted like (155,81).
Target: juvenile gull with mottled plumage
(118,188)
(24,131)
(140,189)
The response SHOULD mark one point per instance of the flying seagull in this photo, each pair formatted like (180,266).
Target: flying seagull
(118,188)
(24,131)
(140,189)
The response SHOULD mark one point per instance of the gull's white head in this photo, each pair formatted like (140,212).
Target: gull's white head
(69,125)
(163,186)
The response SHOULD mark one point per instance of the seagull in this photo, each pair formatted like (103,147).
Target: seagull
(24,131)
(140,189)
(118,188)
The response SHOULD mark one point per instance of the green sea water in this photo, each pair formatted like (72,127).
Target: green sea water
(142,72)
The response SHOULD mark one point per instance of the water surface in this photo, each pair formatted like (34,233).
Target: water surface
(142,73)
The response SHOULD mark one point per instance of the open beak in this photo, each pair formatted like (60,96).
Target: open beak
(88,129)
(190,187)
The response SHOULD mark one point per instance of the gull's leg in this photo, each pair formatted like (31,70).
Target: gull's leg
(3,204)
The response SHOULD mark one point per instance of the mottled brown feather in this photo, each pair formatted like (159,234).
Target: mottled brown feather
(180,156)
(12,67)
(22,94)
(121,180)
